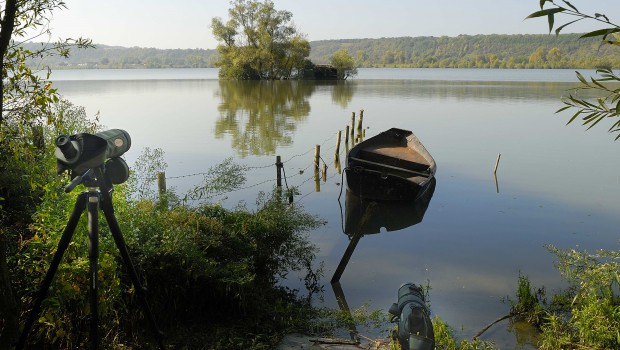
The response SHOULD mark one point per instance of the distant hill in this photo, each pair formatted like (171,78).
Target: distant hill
(463,51)
(103,56)
(474,51)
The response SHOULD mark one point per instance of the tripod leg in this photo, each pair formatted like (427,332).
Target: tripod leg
(108,210)
(79,207)
(93,257)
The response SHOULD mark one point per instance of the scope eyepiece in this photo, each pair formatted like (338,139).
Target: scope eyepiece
(67,148)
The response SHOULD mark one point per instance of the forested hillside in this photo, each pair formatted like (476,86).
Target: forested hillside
(477,51)
(464,51)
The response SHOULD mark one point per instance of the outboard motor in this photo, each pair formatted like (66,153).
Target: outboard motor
(415,330)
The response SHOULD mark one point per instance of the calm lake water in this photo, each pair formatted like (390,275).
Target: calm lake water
(556,184)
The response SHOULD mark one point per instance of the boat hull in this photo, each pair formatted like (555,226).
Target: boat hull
(377,185)
(393,165)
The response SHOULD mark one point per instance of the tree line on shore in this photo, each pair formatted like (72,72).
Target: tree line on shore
(463,51)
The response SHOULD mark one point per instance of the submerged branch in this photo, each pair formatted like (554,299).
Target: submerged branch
(493,323)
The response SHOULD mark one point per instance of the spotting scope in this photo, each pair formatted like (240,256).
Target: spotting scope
(415,330)
(81,152)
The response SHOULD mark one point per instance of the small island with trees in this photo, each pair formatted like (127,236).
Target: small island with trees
(260,43)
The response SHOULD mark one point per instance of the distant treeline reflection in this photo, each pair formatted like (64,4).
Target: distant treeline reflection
(485,90)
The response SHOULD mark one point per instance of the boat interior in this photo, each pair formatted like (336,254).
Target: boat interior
(401,158)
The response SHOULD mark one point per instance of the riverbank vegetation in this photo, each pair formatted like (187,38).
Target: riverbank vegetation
(205,266)
(585,314)
(519,51)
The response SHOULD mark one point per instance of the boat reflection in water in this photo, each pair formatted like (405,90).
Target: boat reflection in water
(363,217)
(391,215)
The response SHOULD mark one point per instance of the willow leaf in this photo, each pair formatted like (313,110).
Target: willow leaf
(542,3)
(583,103)
(563,109)
(574,116)
(603,105)
(607,77)
(590,118)
(614,126)
(546,12)
(550,19)
(598,84)
(557,31)
(582,79)
(576,101)
(570,5)
(596,122)
(600,32)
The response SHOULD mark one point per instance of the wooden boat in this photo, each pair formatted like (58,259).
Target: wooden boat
(393,165)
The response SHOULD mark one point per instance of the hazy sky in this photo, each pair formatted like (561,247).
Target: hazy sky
(186,23)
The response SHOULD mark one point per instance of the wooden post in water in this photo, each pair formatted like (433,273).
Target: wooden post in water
(495,172)
(337,151)
(353,127)
(360,126)
(346,136)
(279,171)
(324,172)
(317,156)
(337,165)
(317,180)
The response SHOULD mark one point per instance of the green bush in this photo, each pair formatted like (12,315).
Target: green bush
(202,265)
(584,315)
(587,314)
(445,339)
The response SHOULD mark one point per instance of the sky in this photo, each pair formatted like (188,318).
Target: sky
(185,24)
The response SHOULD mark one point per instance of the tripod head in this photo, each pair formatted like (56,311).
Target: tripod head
(81,153)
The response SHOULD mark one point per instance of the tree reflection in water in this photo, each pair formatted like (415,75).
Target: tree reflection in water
(261,116)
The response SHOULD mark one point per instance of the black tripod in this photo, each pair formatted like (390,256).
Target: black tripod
(98,194)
